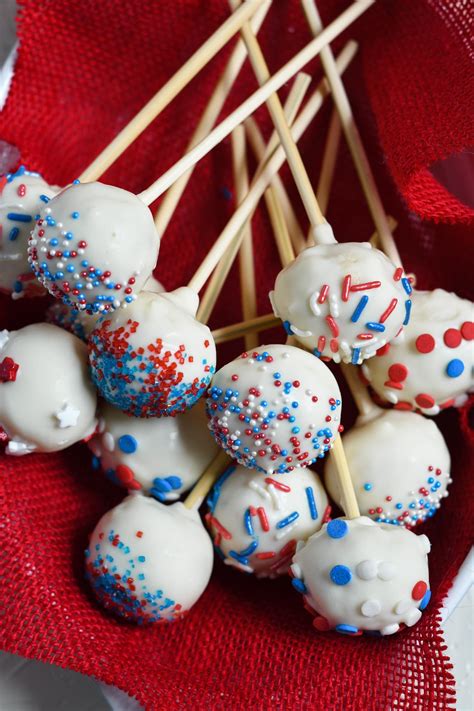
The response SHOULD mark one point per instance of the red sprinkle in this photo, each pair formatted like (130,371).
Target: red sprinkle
(323,294)
(388,310)
(398,372)
(8,370)
(398,274)
(277,484)
(424,400)
(346,287)
(419,590)
(366,286)
(452,337)
(425,343)
(333,326)
(263,518)
(467,330)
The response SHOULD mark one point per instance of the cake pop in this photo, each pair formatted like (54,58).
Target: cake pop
(400,467)
(360,576)
(275,409)
(22,194)
(154,358)
(256,522)
(342,301)
(47,401)
(94,246)
(428,367)
(80,323)
(163,456)
(147,562)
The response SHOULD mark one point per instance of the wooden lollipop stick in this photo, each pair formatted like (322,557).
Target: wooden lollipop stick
(208,119)
(359,392)
(171,89)
(328,165)
(248,289)
(258,147)
(237,330)
(346,487)
(261,182)
(353,137)
(292,67)
(197,495)
(275,108)
(222,270)
(392,223)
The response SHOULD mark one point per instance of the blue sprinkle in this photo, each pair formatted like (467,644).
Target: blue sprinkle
(141,558)
(175,482)
(407,312)
(299,586)
(359,308)
(239,558)
(368,487)
(44,198)
(406,285)
(289,519)
(128,444)
(75,215)
(346,629)
(287,327)
(374,326)
(311,502)
(337,528)
(248,523)
(14,232)
(95,463)
(355,356)
(455,368)
(18,217)
(250,549)
(161,485)
(340,575)
(425,600)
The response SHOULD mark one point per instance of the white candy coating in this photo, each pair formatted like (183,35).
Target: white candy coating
(162,554)
(47,402)
(274,409)
(154,358)
(96,240)
(256,521)
(342,301)
(358,575)
(399,464)
(20,203)
(163,456)
(80,323)
(429,365)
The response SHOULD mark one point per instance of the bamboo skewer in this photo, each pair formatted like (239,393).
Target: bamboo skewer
(353,137)
(292,67)
(246,260)
(328,165)
(260,183)
(275,108)
(222,269)
(209,117)
(169,91)
(237,330)
(197,495)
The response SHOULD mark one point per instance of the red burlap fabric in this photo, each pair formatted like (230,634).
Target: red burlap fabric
(84,69)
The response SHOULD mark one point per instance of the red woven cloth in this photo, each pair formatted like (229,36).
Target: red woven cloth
(84,69)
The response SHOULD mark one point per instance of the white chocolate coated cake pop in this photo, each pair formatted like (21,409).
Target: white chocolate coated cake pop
(360,576)
(147,562)
(162,456)
(94,246)
(80,323)
(257,521)
(274,409)
(154,358)
(399,464)
(22,194)
(342,301)
(47,402)
(428,367)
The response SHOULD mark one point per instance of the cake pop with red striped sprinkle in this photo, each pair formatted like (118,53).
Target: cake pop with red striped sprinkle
(428,367)
(22,195)
(360,576)
(399,464)
(154,358)
(342,301)
(257,521)
(274,409)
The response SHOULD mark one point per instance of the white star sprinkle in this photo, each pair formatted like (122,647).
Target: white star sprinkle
(4,336)
(67,416)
